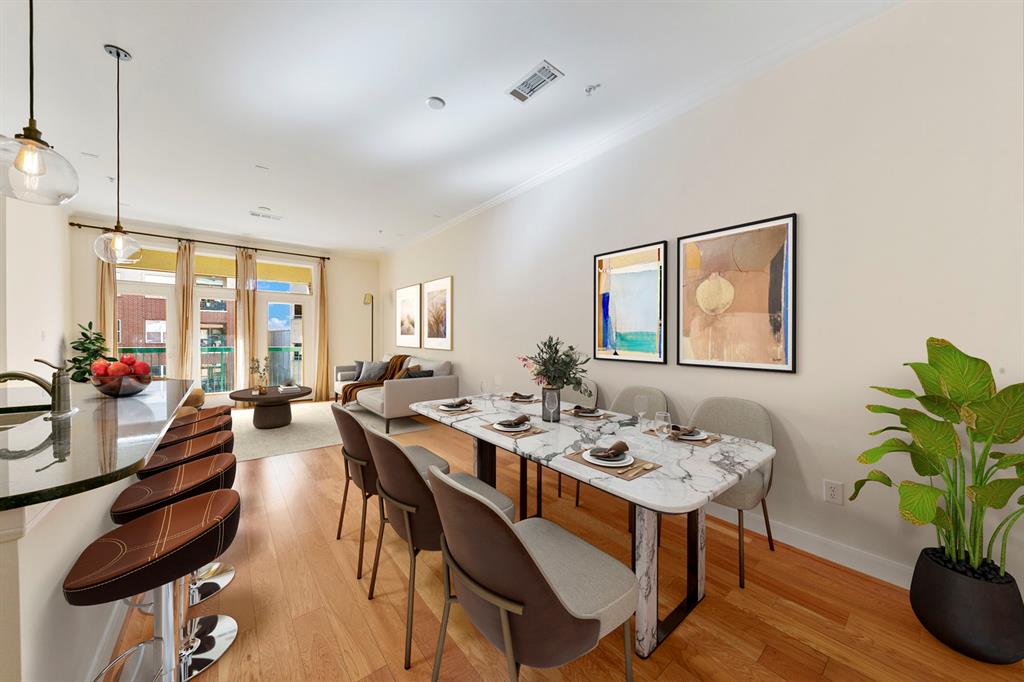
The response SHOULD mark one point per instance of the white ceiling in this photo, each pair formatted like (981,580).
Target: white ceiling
(330,96)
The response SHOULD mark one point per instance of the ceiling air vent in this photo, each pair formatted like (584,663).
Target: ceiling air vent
(264,214)
(529,85)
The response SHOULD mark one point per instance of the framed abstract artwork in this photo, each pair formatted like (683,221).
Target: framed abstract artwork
(630,290)
(737,296)
(407,316)
(437,314)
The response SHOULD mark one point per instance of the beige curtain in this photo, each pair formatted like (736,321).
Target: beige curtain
(184,297)
(324,386)
(106,303)
(245,315)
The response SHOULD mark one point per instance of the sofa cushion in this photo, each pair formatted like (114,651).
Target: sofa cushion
(338,385)
(358,364)
(372,399)
(372,371)
(419,374)
(440,368)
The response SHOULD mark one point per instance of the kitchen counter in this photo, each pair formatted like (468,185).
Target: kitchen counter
(105,440)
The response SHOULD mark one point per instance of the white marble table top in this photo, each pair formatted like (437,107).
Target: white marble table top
(689,477)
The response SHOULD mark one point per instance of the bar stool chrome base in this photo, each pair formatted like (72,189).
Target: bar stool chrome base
(206,640)
(209,580)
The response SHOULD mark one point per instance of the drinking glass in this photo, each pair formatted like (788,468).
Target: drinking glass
(485,387)
(640,405)
(499,385)
(662,425)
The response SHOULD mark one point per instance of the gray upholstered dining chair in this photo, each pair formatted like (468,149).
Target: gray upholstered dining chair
(576,398)
(358,468)
(625,403)
(746,419)
(537,592)
(405,494)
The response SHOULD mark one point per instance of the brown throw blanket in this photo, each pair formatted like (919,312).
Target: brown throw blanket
(348,393)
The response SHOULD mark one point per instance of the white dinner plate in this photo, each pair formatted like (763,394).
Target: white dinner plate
(453,409)
(700,435)
(514,429)
(601,463)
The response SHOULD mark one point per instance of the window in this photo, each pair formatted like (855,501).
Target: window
(284,342)
(148,276)
(217,344)
(156,331)
(142,326)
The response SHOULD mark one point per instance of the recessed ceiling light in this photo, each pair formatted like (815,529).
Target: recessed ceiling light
(263,208)
(436,103)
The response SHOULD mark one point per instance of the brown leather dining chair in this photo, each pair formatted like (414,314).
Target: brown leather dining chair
(358,468)
(405,495)
(536,591)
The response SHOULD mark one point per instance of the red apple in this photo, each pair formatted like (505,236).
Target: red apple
(140,367)
(118,369)
(99,367)
(128,359)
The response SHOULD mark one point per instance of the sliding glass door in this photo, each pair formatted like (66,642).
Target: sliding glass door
(281,328)
(216,340)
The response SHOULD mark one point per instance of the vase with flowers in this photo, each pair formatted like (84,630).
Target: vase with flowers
(260,371)
(556,366)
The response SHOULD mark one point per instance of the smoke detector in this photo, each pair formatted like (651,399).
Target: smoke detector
(536,80)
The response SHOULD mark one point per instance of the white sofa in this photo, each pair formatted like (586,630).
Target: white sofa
(392,400)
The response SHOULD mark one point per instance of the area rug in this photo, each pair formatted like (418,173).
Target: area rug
(312,427)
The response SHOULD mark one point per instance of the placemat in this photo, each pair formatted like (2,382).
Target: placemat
(625,473)
(596,417)
(520,402)
(516,435)
(459,413)
(710,440)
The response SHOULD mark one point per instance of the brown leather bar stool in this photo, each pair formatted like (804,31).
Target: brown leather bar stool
(194,430)
(187,451)
(201,415)
(153,552)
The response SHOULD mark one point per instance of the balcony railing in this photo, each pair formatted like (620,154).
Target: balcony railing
(216,364)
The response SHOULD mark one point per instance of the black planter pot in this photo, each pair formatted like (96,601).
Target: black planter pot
(978,618)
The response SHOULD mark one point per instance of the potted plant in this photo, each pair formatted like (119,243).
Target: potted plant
(555,366)
(91,346)
(960,591)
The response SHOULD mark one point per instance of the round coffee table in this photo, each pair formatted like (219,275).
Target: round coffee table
(272,410)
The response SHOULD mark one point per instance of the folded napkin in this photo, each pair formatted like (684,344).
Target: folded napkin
(521,396)
(510,423)
(676,432)
(615,451)
(582,410)
(458,403)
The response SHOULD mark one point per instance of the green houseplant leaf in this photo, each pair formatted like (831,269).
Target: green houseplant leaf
(925,463)
(994,494)
(928,376)
(931,435)
(1001,416)
(918,502)
(964,379)
(873,475)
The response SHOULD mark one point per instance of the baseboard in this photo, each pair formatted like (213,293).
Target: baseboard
(109,638)
(844,555)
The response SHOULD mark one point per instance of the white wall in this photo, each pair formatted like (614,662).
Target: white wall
(899,144)
(348,278)
(37,305)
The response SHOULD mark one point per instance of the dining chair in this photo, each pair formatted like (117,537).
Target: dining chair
(404,493)
(573,396)
(537,592)
(358,468)
(624,403)
(750,420)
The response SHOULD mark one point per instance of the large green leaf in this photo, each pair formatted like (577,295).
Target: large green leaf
(896,392)
(942,519)
(882,409)
(995,493)
(918,502)
(964,379)
(1001,416)
(931,435)
(941,407)
(873,475)
(925,463)
(928,376)
(876,453)
(904,429)
(1007,461)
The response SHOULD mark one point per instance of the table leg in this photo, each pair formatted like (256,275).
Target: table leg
(645,557)
(486,461)
(523,502)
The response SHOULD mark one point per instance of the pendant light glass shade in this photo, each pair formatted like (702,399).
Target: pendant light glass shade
(114,246)
(32,171)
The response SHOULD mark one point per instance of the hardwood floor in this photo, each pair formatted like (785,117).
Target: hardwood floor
(302,614)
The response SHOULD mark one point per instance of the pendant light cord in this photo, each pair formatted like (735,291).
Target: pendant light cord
(117,223)
(31,64)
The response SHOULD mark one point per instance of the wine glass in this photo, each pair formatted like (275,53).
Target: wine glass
(499,386)
(551,403)
(485,387)
(640,405)
(662,426)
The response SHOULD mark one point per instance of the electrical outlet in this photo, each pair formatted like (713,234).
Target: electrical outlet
(832,491)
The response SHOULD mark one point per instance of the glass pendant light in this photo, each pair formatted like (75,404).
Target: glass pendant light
(30,169)
(116,245)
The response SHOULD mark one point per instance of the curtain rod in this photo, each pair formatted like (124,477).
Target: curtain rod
(199,241)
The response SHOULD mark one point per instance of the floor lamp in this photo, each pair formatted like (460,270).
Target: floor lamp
(368,300)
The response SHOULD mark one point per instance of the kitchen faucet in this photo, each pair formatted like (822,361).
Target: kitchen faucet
(59,388)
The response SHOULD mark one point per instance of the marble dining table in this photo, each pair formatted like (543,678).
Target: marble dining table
(689,476)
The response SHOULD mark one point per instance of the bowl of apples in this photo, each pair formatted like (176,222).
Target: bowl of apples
(121,378)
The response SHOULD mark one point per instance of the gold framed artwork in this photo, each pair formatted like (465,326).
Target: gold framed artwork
(737,296)
(437,314)
(630,290)
(407,316)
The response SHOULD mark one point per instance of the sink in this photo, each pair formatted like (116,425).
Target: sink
(12,419)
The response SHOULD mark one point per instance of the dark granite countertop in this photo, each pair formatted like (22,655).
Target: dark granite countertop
(106,440)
